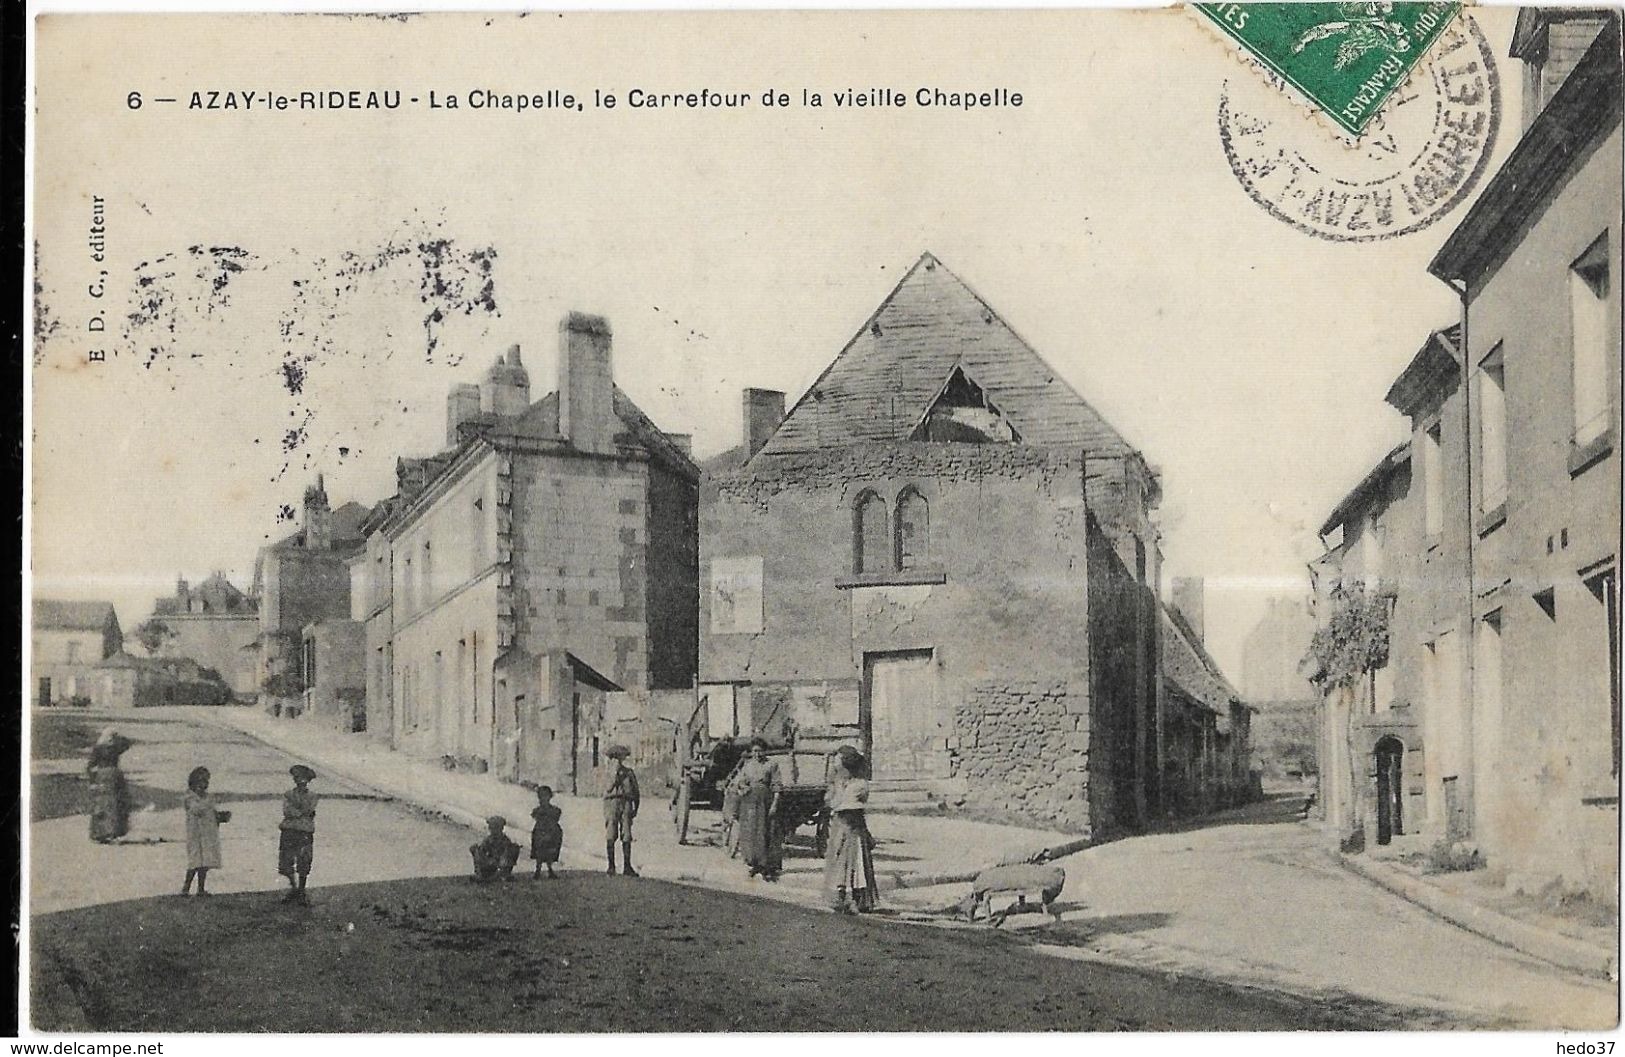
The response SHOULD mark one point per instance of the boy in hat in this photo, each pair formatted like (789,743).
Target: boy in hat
(620,808)
(298,844)
(495,856)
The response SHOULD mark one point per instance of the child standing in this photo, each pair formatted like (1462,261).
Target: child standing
(298,845)
(546,834)
(203,818)
(495,856)
(620,808)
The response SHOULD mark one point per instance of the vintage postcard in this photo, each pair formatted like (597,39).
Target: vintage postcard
(825,521)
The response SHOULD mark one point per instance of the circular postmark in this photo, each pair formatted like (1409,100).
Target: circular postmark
(1416,160)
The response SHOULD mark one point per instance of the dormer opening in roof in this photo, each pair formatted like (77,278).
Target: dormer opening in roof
(963,413)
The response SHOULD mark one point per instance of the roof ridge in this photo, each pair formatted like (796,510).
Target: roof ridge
(857,335)
(1035,354)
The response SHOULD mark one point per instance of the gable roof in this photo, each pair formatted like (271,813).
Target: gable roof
(885,379)
(53,614)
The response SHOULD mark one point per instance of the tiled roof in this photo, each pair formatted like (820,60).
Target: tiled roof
(1432,370)
(60,615)
(1362,492)
(1186,662)
(885,380)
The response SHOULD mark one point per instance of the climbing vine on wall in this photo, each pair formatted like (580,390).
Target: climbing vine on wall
(1353,640)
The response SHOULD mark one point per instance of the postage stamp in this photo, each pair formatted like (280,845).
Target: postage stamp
(1347,58)
(1422,152)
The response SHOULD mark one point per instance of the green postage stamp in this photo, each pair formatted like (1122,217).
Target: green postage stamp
(1347,58)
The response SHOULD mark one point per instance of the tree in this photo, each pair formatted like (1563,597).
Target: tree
(152,634)
(1353,640)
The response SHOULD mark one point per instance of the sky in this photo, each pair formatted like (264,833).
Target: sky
(272,275)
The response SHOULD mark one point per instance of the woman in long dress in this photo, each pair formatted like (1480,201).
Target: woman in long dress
(849,864)
(109,793)
(756,786)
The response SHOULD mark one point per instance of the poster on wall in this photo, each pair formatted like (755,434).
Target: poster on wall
(736,596)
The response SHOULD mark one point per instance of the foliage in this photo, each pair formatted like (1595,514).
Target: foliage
(282,684)
(1353,640)
(1452,857)
(152,634)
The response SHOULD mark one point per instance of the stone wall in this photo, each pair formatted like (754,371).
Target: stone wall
(1024,751)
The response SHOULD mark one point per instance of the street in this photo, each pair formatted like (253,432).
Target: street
(1159,933)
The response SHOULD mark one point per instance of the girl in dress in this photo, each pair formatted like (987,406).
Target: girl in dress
(203,818)
(849,865)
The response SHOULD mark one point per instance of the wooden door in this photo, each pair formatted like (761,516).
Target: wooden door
(903,722)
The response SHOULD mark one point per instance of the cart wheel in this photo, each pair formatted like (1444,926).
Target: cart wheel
(821,834)
(679,811)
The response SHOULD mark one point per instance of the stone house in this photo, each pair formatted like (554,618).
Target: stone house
(1206,729)
(545,559)
(333,674)
(216,625)
(1536,262)
(944,555)
(1287,706)
(1389,766)
(69,639)
(300,580)
(123,681)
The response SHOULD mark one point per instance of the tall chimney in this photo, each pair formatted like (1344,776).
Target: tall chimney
(318,517)
(586,383)
(505,390)
(462,404)
(764,410)
(1186,597)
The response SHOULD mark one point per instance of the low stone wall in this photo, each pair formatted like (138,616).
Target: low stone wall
(1023,752)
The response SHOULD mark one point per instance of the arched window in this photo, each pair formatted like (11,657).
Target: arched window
(871,544)
(913,529)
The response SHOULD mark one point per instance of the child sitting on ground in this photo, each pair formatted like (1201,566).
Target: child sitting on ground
(495,856)
(546,834)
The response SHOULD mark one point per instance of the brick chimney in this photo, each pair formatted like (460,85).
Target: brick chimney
(1186,596)
(318,518)
(462,404)
(586,383)
(764,410)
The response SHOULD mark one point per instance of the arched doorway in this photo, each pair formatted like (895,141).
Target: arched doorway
(1390,759)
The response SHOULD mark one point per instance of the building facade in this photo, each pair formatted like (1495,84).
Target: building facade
(546,558)
(69,640)
(216,625)
(1537,264)
(1494,530)
(944,555)
(300,580)
(1286,722)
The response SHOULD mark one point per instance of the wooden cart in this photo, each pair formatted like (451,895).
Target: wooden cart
(803,768)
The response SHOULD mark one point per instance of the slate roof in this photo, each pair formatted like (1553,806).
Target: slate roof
(886,378)
(59,615)
(347,534)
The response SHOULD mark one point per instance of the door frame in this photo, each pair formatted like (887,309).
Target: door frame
(1389,753)
(866,694)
